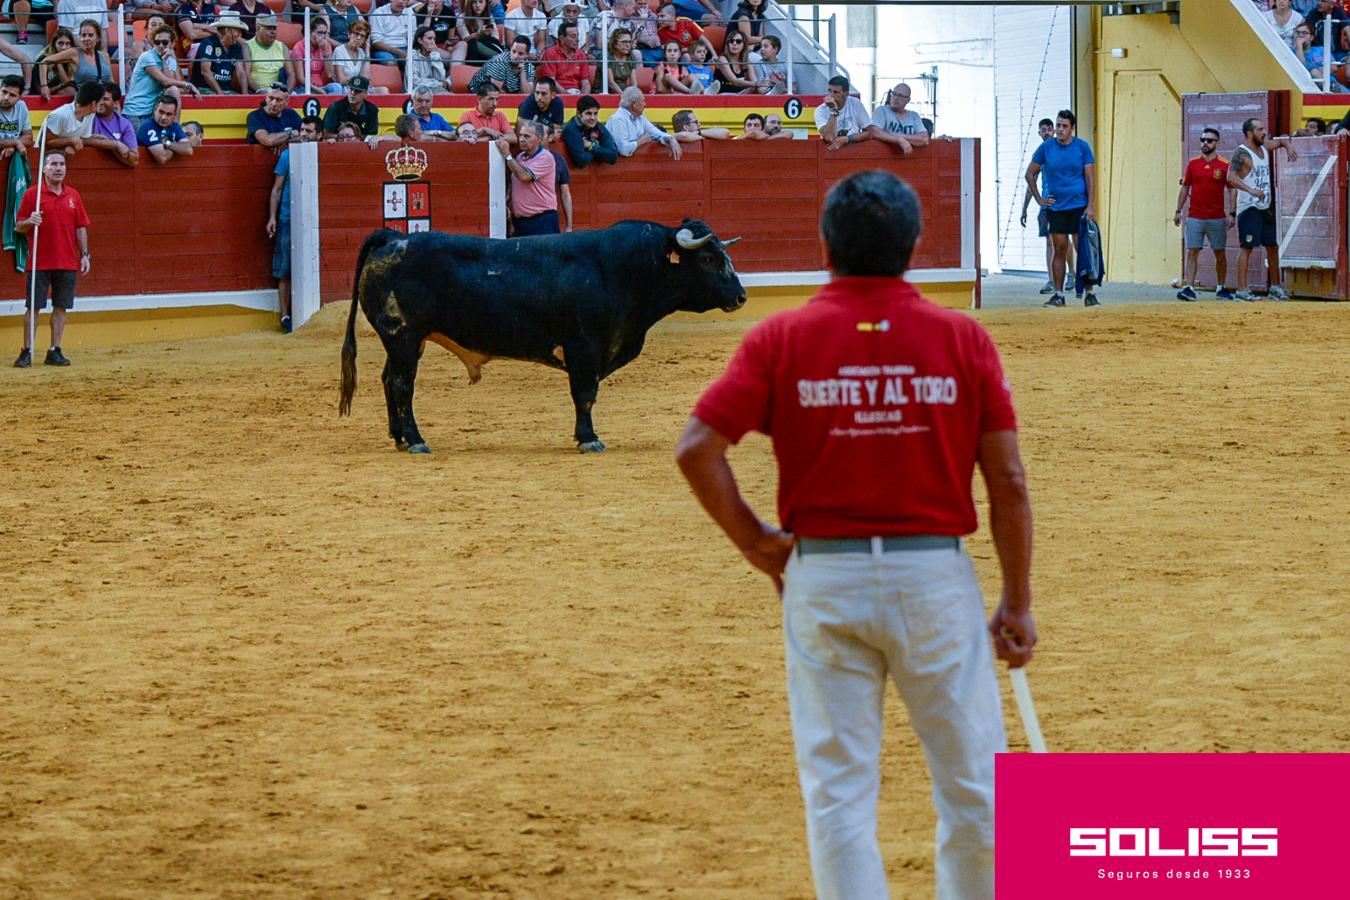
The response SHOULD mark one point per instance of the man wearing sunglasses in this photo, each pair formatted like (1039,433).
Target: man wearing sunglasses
(1210,214)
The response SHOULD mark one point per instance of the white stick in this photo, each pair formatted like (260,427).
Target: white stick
(1025,708)
(33,242)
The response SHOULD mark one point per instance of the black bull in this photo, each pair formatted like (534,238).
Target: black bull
(578,302)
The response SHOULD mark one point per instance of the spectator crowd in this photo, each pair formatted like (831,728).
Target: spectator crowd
(446,46)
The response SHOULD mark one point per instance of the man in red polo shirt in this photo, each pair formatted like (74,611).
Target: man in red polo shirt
(566,62)
(1210,215)
(879,404)
(62,251)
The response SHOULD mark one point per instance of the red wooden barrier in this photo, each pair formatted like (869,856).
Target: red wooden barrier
(768,192)
(196,224)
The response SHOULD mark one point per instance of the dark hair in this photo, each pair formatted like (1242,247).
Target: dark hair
(13,81)
(404,125)
(548,82)
(566,24)
(871,222)
(1067,114)
(165,99)
(587,102)
(1248,127)
(753,117)
(89,92)
(194,124)
(772,39)
(487,87)
(417,35)
(839,81)
(315,121)
(1321,125)
(521,39)
(1210,129)
(1049,122)
(681,119)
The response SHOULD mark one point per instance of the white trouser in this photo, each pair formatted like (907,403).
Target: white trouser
(849,620)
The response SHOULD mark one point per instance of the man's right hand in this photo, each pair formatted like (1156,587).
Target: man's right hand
(770,552)
(1014,635)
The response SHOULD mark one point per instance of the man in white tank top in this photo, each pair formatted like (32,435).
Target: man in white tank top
(1249,175)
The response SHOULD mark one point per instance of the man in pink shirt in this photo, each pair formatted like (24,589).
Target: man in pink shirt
(566,62)
(534,196)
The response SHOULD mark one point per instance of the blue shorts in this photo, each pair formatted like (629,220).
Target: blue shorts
(1256,228)
(281,250)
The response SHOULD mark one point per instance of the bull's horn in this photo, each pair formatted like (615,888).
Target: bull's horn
(685,238)
(732,241)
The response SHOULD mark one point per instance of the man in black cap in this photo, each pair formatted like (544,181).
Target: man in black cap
(353,108)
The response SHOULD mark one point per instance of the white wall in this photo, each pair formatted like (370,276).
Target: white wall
(955,44)
(1032,81)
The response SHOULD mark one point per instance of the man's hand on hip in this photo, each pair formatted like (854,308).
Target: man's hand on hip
(770,551)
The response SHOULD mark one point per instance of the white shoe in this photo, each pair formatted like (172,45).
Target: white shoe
(1277,292)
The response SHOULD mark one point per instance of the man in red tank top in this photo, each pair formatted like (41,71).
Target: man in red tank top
(879,404)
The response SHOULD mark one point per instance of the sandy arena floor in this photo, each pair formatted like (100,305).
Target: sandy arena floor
(250,650)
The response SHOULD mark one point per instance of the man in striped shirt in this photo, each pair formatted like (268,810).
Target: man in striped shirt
(511,71)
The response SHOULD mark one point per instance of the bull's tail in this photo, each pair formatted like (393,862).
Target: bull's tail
(376,240)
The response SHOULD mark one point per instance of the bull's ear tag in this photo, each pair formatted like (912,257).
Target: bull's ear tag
(674,257)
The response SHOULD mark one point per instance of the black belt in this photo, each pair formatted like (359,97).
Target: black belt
(806,545)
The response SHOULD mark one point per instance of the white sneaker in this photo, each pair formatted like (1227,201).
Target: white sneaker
(1244,295)
(1277,292)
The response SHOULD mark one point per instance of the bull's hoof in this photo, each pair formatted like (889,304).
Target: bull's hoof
(595,446)
(419,448)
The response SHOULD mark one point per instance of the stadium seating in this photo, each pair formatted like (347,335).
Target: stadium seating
(386,76)
(290,33)
(716,35)
(276,5)
(460,76)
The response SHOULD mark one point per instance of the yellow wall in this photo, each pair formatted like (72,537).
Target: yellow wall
(1234,53)
(1138,119)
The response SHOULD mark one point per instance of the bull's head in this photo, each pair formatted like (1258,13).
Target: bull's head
(705,269)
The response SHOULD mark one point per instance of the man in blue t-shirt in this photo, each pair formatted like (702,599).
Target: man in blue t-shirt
(161,135)
(1070,182)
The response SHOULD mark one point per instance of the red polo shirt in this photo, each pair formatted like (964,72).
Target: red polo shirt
(684,32)
(1208,180)
(568,71)
(875,399)
(61,214)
